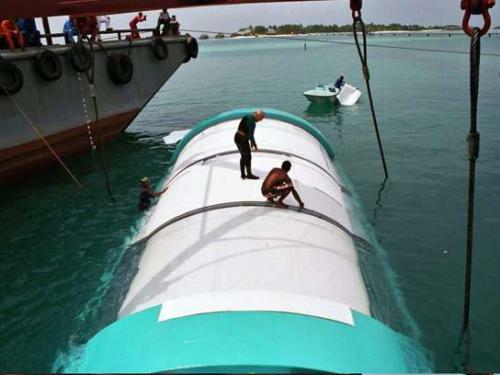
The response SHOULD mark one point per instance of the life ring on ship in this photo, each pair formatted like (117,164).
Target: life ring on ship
(11,78)
(48,65)
(191,49)
(80,58)
(160,48)
(120,68)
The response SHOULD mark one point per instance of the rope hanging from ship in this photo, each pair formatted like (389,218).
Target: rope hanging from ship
(356,6)
(471,7)
(40,135)
(90,74)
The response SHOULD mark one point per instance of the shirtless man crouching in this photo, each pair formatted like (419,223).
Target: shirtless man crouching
(278,185)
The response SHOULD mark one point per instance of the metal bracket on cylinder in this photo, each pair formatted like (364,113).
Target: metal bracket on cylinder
(473,146)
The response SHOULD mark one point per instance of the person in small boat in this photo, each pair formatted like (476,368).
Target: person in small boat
(133,25)
(278,185)
(339,83)
(245,141)
(147,193)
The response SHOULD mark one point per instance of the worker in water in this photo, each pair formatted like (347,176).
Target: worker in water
(340,82)
(70,31)
(244,138)
(30,32)
(147,193)
(11,33)
(163,20)
(133,25)
(278,185)
(175,26)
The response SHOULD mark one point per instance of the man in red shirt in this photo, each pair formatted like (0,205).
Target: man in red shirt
(133,25)
(10,31)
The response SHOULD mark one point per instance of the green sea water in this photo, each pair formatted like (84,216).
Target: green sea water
(63,261)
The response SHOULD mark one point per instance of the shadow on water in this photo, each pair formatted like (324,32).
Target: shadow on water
(321,110)
(326,113)
(378,202)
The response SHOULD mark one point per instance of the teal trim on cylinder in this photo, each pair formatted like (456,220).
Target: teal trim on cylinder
(248,342)
(239,113)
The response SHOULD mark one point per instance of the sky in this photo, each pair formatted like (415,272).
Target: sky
(231,18)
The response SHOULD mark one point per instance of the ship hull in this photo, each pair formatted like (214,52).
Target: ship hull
(63,111)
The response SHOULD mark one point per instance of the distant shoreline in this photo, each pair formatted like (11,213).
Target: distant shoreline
(382,32)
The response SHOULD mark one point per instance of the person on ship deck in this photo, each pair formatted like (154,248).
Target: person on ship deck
(133,26)
(86,25)
(3,43)
(163,20)
(278,184)
(69,31)
(30,32)
(11,34)
(106,21)
(175,26)
(103,20)
(244,138)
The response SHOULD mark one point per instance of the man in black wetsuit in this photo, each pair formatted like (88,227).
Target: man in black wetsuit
(147,194)
(244,138)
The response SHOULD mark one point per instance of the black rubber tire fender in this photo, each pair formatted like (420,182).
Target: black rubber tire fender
(80,58)
(192,47)
(11,77)
(120,68)
(160,48)
(48,65)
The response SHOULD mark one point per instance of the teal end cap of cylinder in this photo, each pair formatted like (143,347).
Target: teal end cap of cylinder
(247,342)
(239,113)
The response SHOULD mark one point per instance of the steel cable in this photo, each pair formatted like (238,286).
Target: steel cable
(329,41)
(462,351)
(363,56)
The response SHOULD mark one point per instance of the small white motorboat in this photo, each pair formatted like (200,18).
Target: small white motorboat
(322,94)
(347,96)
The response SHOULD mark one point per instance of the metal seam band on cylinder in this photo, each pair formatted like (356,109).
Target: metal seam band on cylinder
(275,152)
(221,206)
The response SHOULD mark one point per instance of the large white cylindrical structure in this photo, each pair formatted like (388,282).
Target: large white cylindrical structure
(227,282)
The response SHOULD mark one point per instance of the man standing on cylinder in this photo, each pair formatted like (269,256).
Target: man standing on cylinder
(278,185)
(244,138)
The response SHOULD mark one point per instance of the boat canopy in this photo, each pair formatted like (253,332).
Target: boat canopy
(48,8)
